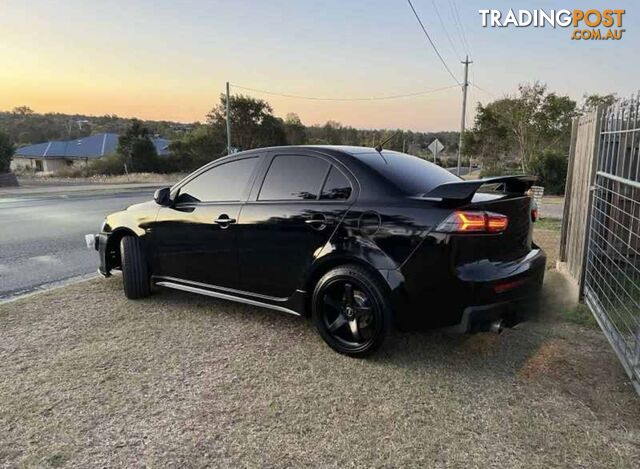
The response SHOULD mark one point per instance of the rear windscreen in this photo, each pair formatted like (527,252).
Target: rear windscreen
(410,174)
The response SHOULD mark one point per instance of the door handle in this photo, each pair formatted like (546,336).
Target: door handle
(318,222)
(224,221)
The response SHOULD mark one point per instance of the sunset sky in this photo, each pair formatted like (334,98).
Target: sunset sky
(166,59)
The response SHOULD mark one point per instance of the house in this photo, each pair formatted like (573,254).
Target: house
(54,156)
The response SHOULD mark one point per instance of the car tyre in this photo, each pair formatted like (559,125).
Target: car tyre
(351,311)
(135,273)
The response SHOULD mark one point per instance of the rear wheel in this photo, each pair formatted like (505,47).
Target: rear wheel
(350,311)
(135,273)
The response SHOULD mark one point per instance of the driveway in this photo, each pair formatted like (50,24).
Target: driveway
(90,379)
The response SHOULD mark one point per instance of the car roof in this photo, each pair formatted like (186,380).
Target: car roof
(407,174)
(348,149)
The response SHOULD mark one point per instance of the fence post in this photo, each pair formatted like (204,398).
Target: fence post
(568,189)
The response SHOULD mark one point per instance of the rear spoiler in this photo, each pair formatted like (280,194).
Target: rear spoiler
(464,190)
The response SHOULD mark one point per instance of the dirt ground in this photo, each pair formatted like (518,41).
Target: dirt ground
(88,378)
(547,236)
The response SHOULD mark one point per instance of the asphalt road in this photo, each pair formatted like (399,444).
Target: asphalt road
(42,237)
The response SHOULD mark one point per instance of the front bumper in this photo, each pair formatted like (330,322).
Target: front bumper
(99,242)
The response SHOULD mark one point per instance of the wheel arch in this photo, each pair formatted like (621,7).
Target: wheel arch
(331,262)
(113,246)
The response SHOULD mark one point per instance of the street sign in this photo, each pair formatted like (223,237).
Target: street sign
(435,147)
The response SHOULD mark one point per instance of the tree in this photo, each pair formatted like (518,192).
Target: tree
(523,126)
(253,124)
(592,101)
(551,168)
(294,130)
(22,111)
(7,150)
(332,133)
(198,147)
(137,150)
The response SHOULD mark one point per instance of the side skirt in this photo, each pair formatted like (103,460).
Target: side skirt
(173,283)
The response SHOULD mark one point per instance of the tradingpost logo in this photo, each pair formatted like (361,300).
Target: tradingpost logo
(598,25)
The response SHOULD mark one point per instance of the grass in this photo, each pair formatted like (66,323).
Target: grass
(103,179)
(548,239)
(88,378)
(552,224)
(553,199)
(580,314)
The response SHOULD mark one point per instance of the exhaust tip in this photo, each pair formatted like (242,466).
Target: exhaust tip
(497,326)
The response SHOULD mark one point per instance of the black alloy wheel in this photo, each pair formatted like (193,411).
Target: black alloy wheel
(350,311)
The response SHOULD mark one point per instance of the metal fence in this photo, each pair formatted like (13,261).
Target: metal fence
(611,269)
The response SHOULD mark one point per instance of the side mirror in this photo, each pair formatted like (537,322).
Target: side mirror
(163,196)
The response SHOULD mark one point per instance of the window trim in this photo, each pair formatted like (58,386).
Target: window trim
(175,190)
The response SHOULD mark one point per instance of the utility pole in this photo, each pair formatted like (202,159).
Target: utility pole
(229,126)
(465,85)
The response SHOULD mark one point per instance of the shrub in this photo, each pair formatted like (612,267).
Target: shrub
(109,165)
(551,169)
(6,152)
(498,168)
(74,172)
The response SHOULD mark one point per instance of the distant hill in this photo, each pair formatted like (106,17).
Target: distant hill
(27,128)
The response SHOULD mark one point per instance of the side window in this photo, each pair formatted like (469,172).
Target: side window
(293,177)
(224,183)
(337,186)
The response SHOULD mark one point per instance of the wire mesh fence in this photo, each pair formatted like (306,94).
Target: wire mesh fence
(612,269)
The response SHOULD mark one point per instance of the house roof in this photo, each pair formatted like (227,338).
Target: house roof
(92,147)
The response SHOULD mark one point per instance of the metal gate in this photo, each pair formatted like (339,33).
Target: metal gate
(611,276)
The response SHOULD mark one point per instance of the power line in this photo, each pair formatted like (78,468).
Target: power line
(444,28)
(481,89)
(432,44)
(458,23)
(372,98)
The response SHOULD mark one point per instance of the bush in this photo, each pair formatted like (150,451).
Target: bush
(6,152)
(111,165)
(551,169)
(499,169)
(74,172)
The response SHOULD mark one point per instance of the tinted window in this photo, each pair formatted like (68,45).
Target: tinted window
(293,177)
(337,186)
(223,183)
(410,174)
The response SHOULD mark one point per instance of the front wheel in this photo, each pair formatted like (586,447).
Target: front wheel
(350,311)
(135,273)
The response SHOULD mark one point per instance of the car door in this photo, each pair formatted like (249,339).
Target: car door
(288,218)
(195,239)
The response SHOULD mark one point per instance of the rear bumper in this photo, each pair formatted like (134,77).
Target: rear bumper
(508,313)
(502,291)
(474,295)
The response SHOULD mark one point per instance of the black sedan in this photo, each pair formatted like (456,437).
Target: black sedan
(360,239)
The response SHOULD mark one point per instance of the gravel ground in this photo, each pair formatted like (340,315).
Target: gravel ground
(91,379)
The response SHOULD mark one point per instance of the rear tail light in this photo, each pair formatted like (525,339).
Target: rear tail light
(474,222)
(534,214)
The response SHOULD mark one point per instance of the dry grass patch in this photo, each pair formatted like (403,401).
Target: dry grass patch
(91,379)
